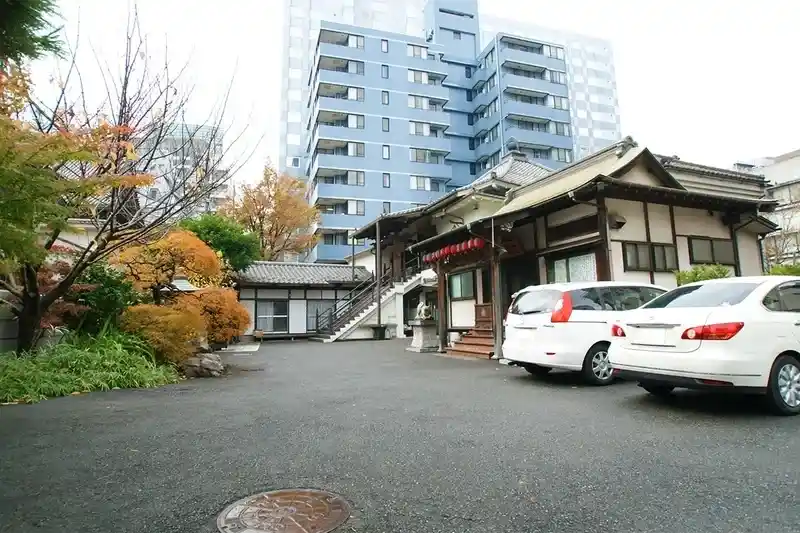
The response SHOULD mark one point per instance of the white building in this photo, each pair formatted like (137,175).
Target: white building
(591,80)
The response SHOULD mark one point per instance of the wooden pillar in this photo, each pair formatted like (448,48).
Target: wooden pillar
(497,305)
(603,260)
(441,303)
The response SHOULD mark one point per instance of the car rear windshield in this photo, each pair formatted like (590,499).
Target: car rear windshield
(531,302)
(706,295)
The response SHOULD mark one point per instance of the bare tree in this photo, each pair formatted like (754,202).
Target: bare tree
(145,142)
(782,245)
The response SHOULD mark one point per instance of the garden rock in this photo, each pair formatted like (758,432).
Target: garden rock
(203,365)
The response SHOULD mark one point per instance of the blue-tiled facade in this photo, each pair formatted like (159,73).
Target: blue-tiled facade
(394,121)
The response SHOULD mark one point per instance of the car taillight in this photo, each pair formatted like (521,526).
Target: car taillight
(713,332)
(563,309)
(617,331)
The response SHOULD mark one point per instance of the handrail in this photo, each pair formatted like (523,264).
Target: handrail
(344,309)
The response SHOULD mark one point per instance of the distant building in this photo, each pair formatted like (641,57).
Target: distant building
(186,154)
(394,121)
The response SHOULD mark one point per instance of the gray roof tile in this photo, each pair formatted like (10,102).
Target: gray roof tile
(278,273)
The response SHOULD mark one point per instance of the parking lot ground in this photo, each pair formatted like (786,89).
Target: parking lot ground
(415,442)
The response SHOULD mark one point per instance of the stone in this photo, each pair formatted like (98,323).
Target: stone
(425,336)
(203,365)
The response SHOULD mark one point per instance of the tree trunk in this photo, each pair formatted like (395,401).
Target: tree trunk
(29,322)
(157,294)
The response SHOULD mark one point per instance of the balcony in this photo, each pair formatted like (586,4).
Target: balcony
(484,150)
(523,109)
(485,124)
(532,84)
(335,252)
(338,71)
(438,143)
(424,64)
(430,169)
(434,115)
(341,220)
(328,153)
(522,57)
(536,139)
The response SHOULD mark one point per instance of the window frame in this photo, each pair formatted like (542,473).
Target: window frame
(714,260)
(450,277)
(385,97)
(386,152)
(385,46)
(385,72)
(387,180)
(258,316)
(384,124)
(651,255)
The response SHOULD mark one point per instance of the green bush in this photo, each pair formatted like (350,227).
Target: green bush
(785,270)
(107,293)
(82,364)
(701,273)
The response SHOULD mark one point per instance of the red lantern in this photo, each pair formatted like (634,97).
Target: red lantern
(468,245)
(436,255)
(459,248)
(465,246)
(480,244)
(426,258)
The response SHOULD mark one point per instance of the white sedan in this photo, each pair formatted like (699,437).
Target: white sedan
(741,333)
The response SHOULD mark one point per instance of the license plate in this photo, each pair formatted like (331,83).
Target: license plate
(651,336)
(514,320)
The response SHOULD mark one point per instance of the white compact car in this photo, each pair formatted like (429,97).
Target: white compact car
(724,333)
(568,325)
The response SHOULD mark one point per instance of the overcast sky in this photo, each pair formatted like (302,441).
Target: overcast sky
(713,81)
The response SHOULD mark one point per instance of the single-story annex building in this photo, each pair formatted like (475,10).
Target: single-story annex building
(285,299)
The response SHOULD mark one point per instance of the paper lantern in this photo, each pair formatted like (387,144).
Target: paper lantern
(426,258)
(459,248)
(480,244)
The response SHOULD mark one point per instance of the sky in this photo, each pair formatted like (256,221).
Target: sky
(712,81)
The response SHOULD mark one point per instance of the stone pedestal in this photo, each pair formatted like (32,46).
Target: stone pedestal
(426,338)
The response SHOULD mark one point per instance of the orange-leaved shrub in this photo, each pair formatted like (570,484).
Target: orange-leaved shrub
(171,331)
(224,316)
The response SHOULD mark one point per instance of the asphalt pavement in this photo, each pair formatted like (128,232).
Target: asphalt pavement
(416,442)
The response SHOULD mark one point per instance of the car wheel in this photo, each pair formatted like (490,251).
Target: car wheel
(537,370)
(783,390)
(657,390)
(596,366)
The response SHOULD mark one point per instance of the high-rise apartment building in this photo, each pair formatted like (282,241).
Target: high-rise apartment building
(302,23)
(591,80)
(393,120)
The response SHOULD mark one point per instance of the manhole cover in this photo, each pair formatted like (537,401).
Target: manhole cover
(285,511)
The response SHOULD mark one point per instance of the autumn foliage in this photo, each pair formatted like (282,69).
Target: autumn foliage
(154,266)
(172,332)
(277,212)
(224,316)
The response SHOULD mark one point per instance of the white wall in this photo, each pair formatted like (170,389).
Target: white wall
(364,259)
(297,316)
(462,314)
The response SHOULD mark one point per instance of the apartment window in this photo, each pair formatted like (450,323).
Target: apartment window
(419,128)
(387,180)
(468,72)
(457,35)
(530,126)
(355,67)
(387,208)
(417,102)
(385,124)
(419,155)
(355,121)
(417,51)
(562,129)
(558,77)
(355,177)
(470,119)
(385,97)
(420,183)
(384,45)
(469,95)
(355,207)
(649,257)
(559,102)
(711,251)
(385,71)
(563,155)
(416,76)
(386,151)
(461,286)
(355,41)
(355,93)
(472,170)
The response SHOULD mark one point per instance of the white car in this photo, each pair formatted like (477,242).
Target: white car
(568,325)
(718,334)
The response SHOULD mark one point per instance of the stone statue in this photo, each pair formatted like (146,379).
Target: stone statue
(423,311)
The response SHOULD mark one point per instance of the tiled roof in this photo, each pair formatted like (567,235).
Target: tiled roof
(673,162)
(277,273)
(514,169)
